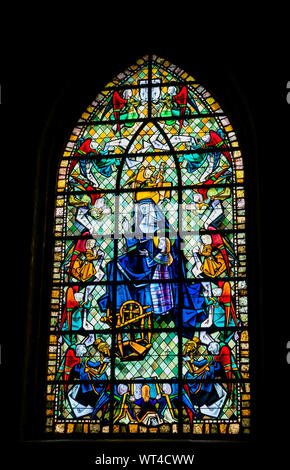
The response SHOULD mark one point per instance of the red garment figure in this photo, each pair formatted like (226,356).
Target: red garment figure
(181,100)
(85,186)
(217,242)
(70,361)
(203,191)
(118,104)
(217,141)
(227,302)
(190,413)
(83,150)
(70,305)
(79,247)
(226,360)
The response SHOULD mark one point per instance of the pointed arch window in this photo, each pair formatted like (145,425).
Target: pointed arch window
(149,322)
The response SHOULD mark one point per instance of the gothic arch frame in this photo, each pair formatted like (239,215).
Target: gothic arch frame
(44,212)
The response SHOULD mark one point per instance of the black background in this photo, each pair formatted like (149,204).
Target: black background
(47,80)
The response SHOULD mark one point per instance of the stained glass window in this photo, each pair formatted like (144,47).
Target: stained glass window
(149,315)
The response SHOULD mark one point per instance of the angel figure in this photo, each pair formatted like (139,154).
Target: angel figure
(177,104)
(202,395)
(213,264)
(122,108)
(90,395)
(80,257)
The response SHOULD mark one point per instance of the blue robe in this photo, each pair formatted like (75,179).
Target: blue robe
(132,268)
(201,386)
(80,369)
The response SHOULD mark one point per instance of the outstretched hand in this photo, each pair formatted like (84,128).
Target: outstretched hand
(143,252)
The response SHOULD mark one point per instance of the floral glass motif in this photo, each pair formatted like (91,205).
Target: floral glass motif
(149,313)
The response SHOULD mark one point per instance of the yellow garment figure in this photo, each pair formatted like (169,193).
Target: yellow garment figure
(190,349)
(83,269)
(213,265)
(144,179)
(93,373)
